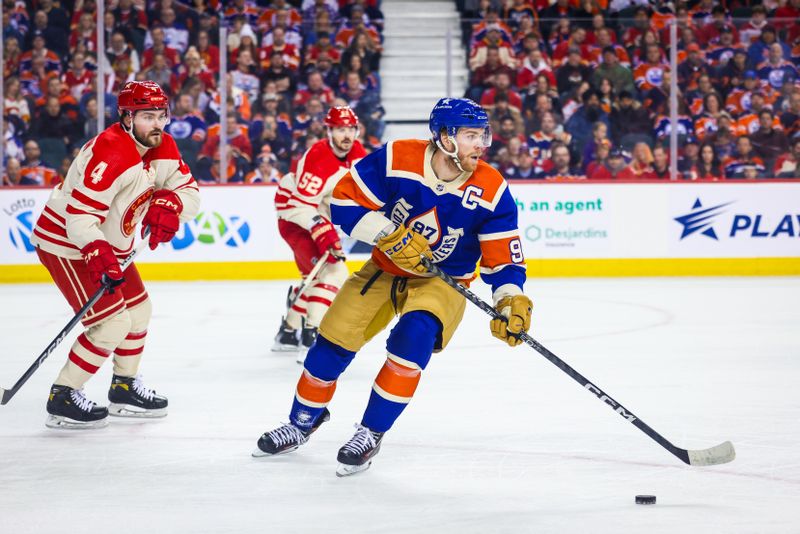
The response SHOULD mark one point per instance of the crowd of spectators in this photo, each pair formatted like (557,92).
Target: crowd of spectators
(288,61)
(581,88)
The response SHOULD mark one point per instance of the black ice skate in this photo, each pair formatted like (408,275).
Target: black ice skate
(286,437)
(307,338)
(130,398)
(286,339)
(69,408)
(356,455)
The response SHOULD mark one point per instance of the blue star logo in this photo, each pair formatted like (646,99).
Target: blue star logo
(700,219)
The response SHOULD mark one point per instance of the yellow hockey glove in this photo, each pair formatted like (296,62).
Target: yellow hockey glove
(405,248)
(517,310)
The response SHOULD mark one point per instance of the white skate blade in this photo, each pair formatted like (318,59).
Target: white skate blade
(345,470)
(301,356)
(283,348)
(258,453)
(127,410)
(59,422)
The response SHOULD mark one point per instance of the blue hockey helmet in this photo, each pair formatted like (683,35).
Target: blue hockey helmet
(450,114)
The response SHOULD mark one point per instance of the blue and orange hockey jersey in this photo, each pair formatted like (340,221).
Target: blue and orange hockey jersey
(469,219)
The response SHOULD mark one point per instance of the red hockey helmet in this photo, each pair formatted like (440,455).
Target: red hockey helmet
(341,116)
(136,96)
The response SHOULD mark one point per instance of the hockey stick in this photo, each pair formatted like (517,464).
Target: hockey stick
(306,282)
(7,394)
(719,454)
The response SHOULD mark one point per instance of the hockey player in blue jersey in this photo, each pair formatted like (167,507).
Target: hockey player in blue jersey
(411,199)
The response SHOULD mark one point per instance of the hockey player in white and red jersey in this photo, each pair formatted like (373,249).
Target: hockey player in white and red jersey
(302,202)
(132,172)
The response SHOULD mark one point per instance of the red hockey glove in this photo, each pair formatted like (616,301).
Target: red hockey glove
(162,217)
(103,265)
(327,239)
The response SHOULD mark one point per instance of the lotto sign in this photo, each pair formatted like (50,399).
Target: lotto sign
(20,209)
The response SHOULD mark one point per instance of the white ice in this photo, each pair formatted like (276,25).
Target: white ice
(495,440)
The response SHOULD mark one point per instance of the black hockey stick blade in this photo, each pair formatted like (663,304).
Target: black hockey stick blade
(719,454)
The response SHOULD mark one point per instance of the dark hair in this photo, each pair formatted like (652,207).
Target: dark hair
(589,93)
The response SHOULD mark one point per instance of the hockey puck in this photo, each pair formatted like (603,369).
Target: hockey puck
(645,499)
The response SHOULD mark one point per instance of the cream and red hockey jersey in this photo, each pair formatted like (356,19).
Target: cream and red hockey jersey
(107,192)
(307,192)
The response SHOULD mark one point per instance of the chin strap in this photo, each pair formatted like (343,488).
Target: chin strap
(452,155)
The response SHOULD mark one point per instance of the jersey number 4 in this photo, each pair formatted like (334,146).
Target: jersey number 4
(97,172)
(309,184)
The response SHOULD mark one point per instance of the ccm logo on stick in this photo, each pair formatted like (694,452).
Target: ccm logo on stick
(608,400)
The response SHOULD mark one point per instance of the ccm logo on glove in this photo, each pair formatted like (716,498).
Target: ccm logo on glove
(162,217)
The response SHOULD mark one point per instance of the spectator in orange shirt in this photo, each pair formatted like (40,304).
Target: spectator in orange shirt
(650,74)
(33,171)
(239,154)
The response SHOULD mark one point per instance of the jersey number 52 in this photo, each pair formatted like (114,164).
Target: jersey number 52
(309,184)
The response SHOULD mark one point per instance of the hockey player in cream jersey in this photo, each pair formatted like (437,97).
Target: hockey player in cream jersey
(303,205)
(130,173)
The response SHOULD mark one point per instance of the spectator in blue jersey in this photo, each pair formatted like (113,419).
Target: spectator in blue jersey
(776,69)
(580,123)
(744,161)
(758,52)
(9,28)
(186,124)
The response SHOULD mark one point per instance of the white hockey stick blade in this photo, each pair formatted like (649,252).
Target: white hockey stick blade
(720,454)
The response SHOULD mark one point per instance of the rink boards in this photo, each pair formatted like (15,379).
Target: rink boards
(566,229)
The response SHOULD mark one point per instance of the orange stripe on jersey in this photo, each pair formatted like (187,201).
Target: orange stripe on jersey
(348,189)
(408,155)
(314,392)
(496,252)
(397,382)
(488,179)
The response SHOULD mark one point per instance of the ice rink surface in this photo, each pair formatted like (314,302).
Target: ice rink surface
(496,440)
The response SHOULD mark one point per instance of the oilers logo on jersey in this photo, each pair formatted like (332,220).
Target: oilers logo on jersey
(427,225)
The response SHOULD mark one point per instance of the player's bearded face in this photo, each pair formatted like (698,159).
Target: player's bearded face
(471,144)
(343,137)
(148,127)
